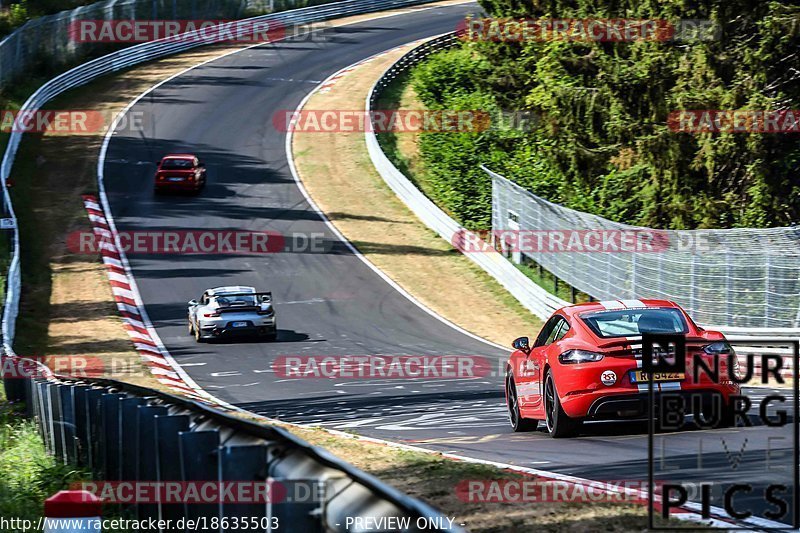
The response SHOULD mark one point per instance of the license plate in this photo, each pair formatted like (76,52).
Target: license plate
(175,179)
(641,377)
(239,325)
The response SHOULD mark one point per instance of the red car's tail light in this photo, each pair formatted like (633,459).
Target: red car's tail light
(571,357)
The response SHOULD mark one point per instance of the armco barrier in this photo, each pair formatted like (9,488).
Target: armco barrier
(125,433)
(126,58)
(536,299)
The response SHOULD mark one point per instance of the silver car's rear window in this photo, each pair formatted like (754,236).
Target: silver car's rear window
(631,322)
(240,299)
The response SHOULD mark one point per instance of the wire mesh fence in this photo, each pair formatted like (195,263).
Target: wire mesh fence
(741,278)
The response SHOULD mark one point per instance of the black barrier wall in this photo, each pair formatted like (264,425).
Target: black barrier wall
(131,436)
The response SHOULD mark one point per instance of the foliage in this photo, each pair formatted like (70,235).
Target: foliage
(601,142)
(28,475)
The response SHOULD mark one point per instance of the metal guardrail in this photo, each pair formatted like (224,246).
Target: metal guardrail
(126,58)
(126,433)
(533,297)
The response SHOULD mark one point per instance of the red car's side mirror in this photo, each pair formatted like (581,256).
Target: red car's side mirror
(522,343)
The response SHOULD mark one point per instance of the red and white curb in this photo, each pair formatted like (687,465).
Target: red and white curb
(153,355)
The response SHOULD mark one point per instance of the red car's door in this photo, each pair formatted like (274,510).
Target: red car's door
(528,371)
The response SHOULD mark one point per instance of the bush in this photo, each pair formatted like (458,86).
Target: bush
(602,143)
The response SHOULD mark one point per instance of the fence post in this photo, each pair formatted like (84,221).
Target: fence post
(145,445)
(245,463)
(199,460)
(167,450)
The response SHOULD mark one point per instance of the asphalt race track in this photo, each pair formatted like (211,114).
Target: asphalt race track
(332,303)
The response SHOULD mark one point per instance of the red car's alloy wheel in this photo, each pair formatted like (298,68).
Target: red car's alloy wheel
(558,423)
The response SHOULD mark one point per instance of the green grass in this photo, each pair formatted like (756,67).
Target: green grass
(28,476)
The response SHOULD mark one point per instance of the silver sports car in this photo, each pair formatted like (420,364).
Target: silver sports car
(232,311)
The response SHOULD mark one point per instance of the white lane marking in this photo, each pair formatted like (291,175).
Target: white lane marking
(225,374)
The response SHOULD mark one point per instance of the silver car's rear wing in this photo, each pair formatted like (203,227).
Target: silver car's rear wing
(263,296)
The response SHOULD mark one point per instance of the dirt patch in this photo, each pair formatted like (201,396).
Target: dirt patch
(337,171)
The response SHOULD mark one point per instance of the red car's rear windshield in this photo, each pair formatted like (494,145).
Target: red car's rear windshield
(630,322)
(175,164)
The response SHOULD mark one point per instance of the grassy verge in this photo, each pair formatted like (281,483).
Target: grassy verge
(336,170)
(28,475)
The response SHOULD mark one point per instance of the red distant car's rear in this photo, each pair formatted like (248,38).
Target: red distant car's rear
(180,172)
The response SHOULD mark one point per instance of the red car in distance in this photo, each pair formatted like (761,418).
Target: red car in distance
(180,172)
(586,364)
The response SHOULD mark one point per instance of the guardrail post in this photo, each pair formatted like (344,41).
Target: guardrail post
(44,408)
(145,453)
(29,398)
(81,424)
(199,458)
(299,504)
(11,375)
(94,425)
(247,463)
(66,393)
(110,435)
(128,409)
(167,450)
(56,425)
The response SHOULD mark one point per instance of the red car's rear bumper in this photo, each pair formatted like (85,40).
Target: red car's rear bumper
(583,393)
(163,186)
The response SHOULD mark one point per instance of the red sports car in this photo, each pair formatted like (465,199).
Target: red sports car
(586,364)
(180,172)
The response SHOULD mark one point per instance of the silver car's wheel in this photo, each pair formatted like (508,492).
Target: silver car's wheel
(197,336)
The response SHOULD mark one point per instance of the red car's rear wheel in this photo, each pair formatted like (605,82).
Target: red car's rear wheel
(558,424)
(518,423)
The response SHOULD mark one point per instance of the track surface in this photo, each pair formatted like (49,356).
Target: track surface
(332,303)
